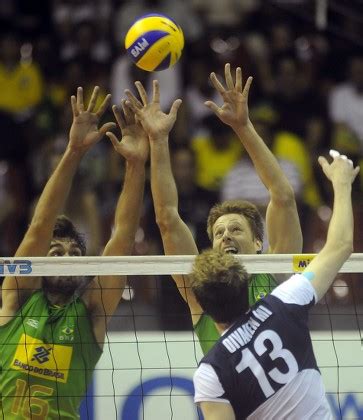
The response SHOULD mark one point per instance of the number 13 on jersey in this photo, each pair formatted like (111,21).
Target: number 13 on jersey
(249,361)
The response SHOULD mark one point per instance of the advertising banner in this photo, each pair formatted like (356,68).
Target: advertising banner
(148,376)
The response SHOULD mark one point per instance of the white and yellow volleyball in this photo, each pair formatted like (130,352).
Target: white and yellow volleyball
(154,42)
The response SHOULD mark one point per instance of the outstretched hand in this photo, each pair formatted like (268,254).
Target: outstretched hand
(341,169)
(84,131)
(234,111)
(154,121)
(134,144)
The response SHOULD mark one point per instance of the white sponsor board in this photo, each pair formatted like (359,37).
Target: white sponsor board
(148,375)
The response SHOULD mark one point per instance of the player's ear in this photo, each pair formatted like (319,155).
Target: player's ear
(258,246)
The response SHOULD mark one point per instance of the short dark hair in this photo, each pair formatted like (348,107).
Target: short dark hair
(220,285)
(64,228)
(243,208)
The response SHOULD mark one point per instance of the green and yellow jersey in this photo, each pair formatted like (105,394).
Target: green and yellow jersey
(47,357)
(260,286)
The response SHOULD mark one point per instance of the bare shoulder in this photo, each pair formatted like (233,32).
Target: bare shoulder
(6,316)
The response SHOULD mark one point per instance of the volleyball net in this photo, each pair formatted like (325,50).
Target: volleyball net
(148,374)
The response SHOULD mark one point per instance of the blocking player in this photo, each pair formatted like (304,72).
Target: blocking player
(233,227)
(51,337)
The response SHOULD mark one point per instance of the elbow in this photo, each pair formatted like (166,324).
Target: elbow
(347,248)
(284,197)
(166,217)
(343,249)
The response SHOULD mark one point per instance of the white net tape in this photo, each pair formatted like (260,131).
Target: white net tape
(151,265)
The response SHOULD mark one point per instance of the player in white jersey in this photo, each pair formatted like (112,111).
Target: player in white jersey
(263,366)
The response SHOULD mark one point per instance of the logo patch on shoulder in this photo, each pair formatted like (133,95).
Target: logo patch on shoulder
(67,333)
(260,296)
(32,323)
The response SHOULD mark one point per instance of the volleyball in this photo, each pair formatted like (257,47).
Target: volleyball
(154,42)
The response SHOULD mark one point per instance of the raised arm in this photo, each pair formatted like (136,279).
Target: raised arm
(339,244)
(105,292)
(83,135)
(282,207)
(176,236)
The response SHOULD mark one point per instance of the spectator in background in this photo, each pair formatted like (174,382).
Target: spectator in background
(20,80)
(21,90)
(296,105)
(86,45)
(198,88)
(346,108)
(68,14)
(243,182)
(216,151)
(266,48)
(223,18)
(292,98)
(8,209)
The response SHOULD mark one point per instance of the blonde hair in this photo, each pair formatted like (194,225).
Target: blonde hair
(220,285)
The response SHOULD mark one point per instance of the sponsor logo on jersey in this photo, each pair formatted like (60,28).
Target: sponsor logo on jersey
(42,353)
(32,323)
(47,361)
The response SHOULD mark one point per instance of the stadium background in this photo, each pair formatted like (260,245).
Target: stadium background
(306,57)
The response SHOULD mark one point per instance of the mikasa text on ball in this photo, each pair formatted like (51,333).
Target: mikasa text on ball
(154,42)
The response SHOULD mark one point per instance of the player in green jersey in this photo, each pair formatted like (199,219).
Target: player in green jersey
(234,227)
(52,329)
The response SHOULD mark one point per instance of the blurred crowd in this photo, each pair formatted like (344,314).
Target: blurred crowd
(306,97)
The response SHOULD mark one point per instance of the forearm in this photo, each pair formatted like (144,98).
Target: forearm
(102,299)
(37,239)
(340,230)
(50,204)
(128,211)
(339,243)
(163,187)
(265,163)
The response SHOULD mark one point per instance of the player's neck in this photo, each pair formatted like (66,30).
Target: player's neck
(222,327)
(57,299)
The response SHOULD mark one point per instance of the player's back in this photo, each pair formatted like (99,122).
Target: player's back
(265,363)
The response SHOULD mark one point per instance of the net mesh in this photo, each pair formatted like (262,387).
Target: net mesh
(147,364)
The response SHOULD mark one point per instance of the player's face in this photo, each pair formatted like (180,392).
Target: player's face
(63,285)
(232,234)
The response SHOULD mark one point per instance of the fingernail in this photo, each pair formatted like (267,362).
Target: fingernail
(333,153)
